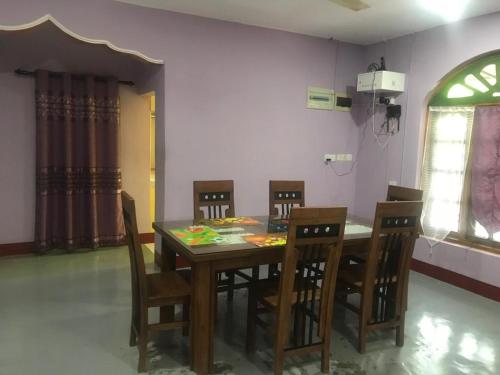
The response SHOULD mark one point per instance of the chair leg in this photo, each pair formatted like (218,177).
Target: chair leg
(143,352)
(216,305)
(299,327)
(186,317)
(405,288)
(134,323)
(362,335)
(325,354)
(251,322)
(143,341)
(255,273)
(279,361)
(133,336)
(400,330)
(230,286)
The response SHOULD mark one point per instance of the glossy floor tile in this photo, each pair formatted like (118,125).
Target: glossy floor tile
(69,314)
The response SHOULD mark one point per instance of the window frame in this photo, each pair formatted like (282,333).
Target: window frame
(438,97)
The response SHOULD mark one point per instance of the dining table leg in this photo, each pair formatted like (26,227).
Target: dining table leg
(202,317)
(167,264)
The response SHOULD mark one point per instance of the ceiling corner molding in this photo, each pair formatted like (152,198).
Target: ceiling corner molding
(79,37)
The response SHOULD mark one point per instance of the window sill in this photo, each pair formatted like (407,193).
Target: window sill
(455,240)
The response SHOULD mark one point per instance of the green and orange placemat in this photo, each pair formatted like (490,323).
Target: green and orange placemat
(267,240)
(197,235)
(240,220)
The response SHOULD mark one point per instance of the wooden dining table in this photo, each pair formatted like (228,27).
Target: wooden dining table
(212,246)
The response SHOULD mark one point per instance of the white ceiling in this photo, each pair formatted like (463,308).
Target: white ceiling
(385,19)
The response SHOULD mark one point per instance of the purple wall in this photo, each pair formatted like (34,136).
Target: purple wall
(17,158)
(234,99)
(425,57)
(233,106)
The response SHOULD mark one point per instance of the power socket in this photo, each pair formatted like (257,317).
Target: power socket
(329,158)
(344,157)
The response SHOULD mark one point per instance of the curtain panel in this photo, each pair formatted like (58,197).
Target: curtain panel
(78,178)
(446,151)
(485,168)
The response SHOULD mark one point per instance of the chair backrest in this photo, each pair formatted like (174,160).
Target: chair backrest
(403,194)
(395,230)
(285,195)
(216,196)
(137,267)
(309,272)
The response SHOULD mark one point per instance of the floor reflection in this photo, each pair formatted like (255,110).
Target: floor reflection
(79,307)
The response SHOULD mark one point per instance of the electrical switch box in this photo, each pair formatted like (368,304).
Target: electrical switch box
(343,102)
(319,98)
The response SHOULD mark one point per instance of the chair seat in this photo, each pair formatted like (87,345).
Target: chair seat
(353,275)
(167,288)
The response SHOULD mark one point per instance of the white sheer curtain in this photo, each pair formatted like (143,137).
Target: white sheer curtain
(447,146)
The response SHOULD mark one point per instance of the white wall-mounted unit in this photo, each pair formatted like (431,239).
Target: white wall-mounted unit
(319,98)
(381,81)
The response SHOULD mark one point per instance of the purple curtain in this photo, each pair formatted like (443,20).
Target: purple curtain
(78,179)
(485,183)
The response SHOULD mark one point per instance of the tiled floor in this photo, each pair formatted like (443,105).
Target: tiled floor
(69,314)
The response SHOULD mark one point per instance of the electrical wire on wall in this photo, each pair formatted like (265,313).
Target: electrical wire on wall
(410,71)
(372,67)
(363,134)
(356,157)
(389,127)
(331,164)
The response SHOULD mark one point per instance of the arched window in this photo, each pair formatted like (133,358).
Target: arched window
(461,165)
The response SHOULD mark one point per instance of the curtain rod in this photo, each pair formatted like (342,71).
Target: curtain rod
(54,74)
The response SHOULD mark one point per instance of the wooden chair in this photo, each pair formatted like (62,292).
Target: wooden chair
(394,194)
(305,288)
(212,200)
(381,281)
(283,196)
(217,197)
(150,290)
(403,194)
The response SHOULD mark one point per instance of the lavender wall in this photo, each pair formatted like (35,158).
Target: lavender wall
(425,57)
(233,107)
(234,99)
(17,158)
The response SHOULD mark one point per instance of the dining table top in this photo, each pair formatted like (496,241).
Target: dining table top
(208,236)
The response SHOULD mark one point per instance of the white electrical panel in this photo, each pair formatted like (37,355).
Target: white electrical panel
(320,98)
(381,81)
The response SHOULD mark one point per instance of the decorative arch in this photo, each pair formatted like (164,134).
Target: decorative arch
(60,26)
(476,81)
